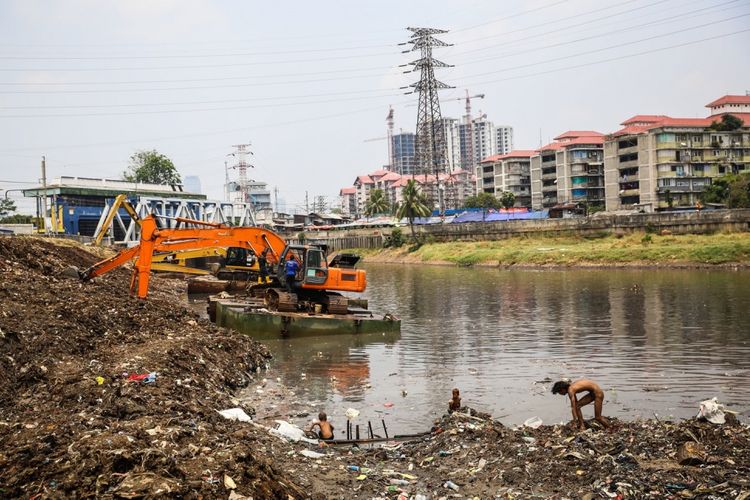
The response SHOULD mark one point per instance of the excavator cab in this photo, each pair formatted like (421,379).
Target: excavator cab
(240,257)
(313,267)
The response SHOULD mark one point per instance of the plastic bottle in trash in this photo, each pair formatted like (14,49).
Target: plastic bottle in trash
(399,482)
(353,468)
(451,485)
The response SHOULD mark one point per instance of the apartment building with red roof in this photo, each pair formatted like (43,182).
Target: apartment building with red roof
(569,170)
(508,172)
(658,162)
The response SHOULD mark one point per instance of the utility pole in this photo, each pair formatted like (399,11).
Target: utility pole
(307,207)
(431,150)
(276,198)
(44,198)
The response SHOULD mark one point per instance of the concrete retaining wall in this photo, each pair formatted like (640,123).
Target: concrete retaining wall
(711,221)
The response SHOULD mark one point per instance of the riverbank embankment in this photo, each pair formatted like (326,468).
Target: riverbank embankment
(606,250)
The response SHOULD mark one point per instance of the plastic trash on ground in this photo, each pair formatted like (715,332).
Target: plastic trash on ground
(236,414)
(533,422)
(312,454)
(712,411)
(291,432)
(351,413)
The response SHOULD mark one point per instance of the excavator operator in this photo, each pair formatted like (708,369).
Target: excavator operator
(290,275)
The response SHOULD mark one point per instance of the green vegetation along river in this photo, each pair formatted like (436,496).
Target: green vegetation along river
(640,249)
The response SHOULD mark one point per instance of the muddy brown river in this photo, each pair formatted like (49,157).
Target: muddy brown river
(657,341)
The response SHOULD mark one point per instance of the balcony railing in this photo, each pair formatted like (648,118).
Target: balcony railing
(552,175)
(629,192)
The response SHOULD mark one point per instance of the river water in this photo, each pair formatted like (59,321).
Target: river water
(657,341)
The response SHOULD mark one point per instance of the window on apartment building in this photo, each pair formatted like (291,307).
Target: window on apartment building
(627,143)
(697,138)
(548,157)
(722,170)
(628,157)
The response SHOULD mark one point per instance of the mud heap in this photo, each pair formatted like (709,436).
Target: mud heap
(80,415)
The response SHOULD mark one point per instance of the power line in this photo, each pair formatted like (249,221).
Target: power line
(220,101)
(196,66)
(183,56)
(200,134)
(601,61)
(224,78)
(602,49)
(564,28)
(512,16)
(608,33)
(202,87)
(194,110)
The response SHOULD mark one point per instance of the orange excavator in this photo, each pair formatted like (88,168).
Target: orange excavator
(317,282)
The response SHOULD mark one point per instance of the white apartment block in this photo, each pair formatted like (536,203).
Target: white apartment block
(504,135)
(509,172)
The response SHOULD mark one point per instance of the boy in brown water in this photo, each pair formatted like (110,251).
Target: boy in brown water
(455,403)
(595,394)
(326,428)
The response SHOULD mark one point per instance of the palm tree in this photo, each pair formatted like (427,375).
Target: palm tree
(413,204)
(376,203)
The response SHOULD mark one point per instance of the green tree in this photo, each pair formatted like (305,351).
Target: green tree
(739,192)
(413,204)
(376,203)
(718,191)
(507,199)
(7,206)
(151,167)
(728,122)
(482,200)
(19,219)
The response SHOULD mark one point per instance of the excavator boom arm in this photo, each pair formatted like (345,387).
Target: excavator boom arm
(154,240)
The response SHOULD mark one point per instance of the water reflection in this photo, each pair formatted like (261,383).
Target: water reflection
(681,335)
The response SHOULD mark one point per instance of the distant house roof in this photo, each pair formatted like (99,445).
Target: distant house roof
(347,190)
(390,176)
(572,134)
(364,179)
(517,153)
(491,159)
(729,99)
(643,119)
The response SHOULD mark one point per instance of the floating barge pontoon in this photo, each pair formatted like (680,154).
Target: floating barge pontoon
(250,316)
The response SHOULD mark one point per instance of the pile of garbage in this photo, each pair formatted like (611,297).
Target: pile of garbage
(470,455)
(107,395)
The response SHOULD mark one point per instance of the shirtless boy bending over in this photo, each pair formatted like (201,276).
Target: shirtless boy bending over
(595,394)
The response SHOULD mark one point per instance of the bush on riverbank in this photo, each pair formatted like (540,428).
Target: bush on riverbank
(677,250)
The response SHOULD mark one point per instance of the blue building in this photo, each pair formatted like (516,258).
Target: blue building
(404,153)
(75,204)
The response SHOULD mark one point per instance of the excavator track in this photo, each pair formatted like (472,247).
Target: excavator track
(337,304)
(278,300)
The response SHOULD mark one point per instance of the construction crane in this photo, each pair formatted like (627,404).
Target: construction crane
(389,138)
(468,162)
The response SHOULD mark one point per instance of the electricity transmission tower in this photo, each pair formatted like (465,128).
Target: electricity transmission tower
(431,148)
(240,153)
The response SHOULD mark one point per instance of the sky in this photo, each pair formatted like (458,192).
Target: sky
(309,84)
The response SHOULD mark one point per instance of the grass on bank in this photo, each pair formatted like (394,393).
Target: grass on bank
(638,248)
